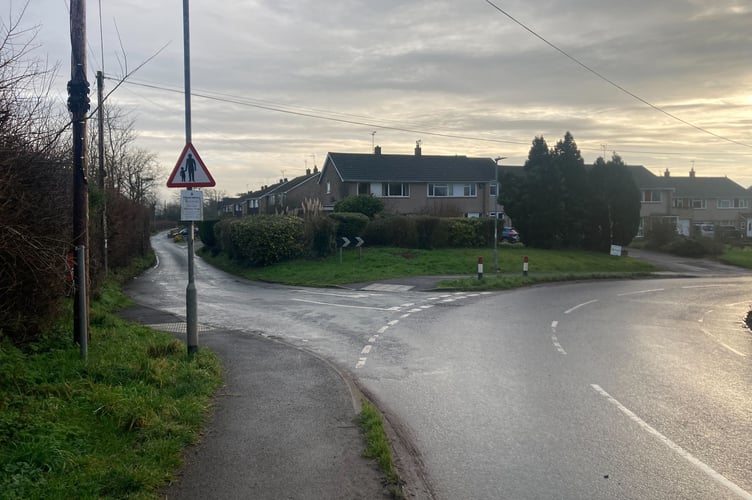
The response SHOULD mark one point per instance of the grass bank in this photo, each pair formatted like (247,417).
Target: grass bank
(113,426)
(379,263)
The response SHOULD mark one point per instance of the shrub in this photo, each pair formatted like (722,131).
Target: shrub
(693,247)
(206,233)
(660,234)
(349,224)
(465,233)
(319,233)
(268,239)
(365,204)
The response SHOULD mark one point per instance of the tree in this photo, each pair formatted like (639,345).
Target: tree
(568,162)
(614,210)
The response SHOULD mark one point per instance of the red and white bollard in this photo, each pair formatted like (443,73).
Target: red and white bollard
(480,268)
(524,266)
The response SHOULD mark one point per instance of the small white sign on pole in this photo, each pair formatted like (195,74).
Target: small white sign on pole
(616,250)
(191,205)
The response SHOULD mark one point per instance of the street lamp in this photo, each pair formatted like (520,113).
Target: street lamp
(496,212)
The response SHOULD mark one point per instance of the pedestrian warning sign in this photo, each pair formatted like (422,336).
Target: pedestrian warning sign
(190,171)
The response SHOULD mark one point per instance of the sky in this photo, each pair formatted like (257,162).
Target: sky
(277,84)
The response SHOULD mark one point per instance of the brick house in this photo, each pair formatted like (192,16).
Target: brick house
(412,184)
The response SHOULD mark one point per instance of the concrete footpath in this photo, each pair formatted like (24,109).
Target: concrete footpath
(283,425)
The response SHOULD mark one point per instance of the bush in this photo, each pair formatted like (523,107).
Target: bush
(319,236)
(265,240)
(693,247)
(349,224)
(660,234)
(206,233)
(465,233)
(365,204)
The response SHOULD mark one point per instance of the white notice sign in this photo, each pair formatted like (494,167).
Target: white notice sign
(191,205)
(616,250)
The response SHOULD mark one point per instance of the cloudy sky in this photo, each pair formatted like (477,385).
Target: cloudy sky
(279,83)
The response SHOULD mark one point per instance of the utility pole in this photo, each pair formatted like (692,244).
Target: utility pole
(496,212)
(191,296)
(78,105)
(102,171)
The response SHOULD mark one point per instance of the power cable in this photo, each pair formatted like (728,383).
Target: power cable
(611,82)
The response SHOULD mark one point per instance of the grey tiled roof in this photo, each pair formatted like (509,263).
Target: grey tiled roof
(707,187)
(354,167)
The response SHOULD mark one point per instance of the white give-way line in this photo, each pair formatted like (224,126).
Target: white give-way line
(710,472)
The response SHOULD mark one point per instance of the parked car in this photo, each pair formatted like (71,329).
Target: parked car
(510,235)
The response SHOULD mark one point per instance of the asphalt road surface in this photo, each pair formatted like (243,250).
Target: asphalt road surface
(609,389)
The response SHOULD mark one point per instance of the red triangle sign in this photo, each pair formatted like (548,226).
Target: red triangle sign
(190,171)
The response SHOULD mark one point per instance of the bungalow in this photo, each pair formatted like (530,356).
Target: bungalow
(412,184)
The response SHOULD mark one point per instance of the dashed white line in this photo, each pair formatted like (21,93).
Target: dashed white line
(554,324)
(715,476)
(427,306)
(580,305)
(640,292)
(406,315)
(383,329)
(366,349)
(417,310)
(371,340)
(706,332)
(393,322)
(361,363)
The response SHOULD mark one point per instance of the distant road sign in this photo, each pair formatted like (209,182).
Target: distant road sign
(345,242)
(190,171)
(359,241)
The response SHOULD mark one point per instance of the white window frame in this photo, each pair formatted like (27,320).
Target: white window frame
(698,204)
(389,190)
(493,189)
(328,187)
(432,187)
(470,190)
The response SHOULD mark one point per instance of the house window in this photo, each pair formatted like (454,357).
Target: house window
(699,204)
(681,203)
(328,187)
(364,188)
(438,190)
(725,204)
(395,190)
(493,189)
(469,190)
(651,196)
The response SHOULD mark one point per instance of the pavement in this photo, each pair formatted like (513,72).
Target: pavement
(283,426)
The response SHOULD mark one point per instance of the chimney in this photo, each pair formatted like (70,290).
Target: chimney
(666,173)
(308,171)
(692,173)
(377,150)
(417,148)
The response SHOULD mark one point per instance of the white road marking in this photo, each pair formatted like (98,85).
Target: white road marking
(361,363)
(640,292)
(580,305)
(348,295)
(702,286)
(393,322)
(557,345)
(429,306)
(366,349)
(371,340)
(715,476)
(409,304)
(346,305)
(554,324)
(383,329)
(416,310)
(384,287)
(706,332)
(738,303)
(406,315)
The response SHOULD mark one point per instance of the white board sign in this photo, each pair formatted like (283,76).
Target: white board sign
(191,205)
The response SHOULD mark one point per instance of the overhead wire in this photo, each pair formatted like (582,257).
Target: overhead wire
(614,84)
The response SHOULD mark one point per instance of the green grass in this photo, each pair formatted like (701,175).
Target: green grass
(111,427)
(737,256)
(377,263)
(377,446)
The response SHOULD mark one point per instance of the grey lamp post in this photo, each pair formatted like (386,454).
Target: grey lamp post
(496,212)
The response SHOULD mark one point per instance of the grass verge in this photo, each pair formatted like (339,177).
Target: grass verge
(114,426)
(377,446)
(379,263)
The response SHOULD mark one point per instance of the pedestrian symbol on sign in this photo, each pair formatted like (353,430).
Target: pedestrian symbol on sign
(190,171)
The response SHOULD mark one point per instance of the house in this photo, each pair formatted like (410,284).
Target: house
(288,195)
(412,184)
(691,202)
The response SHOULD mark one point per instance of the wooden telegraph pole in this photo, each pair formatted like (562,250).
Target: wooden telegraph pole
(78,105)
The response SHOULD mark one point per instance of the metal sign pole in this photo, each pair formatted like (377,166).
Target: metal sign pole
(191,300)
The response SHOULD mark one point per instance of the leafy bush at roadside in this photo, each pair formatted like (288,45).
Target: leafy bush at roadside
(349,224)
(693,247)
(364,203)
(267,239)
